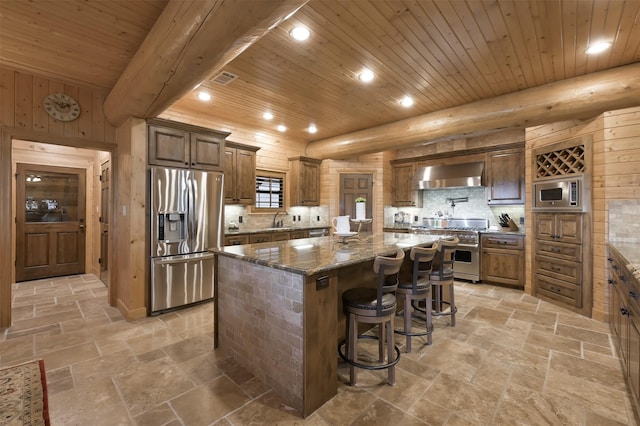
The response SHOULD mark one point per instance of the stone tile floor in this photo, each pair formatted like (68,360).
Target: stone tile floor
(511,359)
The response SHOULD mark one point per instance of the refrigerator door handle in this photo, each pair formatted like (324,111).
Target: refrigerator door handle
(183,259)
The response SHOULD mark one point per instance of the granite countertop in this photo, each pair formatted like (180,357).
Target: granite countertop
(631,254)
(228,231)
(309,256)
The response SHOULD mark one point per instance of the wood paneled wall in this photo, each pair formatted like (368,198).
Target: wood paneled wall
(616,176)
(130,220)
(21,106)
(22,116)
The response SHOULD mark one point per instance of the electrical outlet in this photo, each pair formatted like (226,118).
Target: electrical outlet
(239,219)
(318,218)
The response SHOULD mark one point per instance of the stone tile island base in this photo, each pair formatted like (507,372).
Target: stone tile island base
(261,321)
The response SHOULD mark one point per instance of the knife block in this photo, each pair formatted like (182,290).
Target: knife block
(512,226)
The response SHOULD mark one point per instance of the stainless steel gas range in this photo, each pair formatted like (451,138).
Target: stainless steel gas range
(467,257)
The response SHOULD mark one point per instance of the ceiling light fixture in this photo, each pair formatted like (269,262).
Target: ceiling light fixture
(300,33)
(312,128)
(282,128)
(204,96)
(597,47)
(366,75)
(406,102)
(267,116)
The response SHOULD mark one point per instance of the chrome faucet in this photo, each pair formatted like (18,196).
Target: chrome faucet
(278,224)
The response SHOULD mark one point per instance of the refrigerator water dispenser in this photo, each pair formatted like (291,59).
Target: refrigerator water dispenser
(171,227)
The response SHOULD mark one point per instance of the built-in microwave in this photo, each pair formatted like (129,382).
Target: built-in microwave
(565,193)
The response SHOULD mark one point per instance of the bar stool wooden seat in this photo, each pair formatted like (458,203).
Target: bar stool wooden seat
(373,306)
(417,291)
(442,276)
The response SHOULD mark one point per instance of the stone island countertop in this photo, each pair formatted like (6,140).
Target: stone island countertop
(309,256)
(631,254)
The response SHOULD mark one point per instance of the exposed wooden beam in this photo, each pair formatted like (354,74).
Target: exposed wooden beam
(575,98)
(190,41)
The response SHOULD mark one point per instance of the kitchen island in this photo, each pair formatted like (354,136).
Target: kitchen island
(279,307)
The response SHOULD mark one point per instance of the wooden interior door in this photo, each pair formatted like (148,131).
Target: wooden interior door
(105,187)
(353,186)
(50,221)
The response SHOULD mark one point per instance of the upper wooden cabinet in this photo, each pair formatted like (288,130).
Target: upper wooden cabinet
(239,173)
(180,145)
(403,192)
(305,181)
(505,177)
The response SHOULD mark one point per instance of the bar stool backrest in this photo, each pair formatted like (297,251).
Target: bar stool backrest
(446,256)
(388,270)
(422,258)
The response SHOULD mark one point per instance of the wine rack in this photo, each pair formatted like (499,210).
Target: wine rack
(562,162)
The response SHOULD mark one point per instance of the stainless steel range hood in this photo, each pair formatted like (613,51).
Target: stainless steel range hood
(449,176)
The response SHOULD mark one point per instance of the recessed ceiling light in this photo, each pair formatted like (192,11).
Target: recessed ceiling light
(597,47)
(282,128)
(300,33)
(204,96)
(267,116)
(406,101)
(366,75)
(312,128)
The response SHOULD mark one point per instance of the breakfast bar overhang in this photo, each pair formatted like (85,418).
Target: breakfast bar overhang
(279,310)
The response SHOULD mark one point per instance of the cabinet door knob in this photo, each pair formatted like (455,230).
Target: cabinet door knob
(624,311)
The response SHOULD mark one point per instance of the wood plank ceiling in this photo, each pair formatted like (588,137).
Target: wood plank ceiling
(443,53)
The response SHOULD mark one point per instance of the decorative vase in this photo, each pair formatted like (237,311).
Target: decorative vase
(361,211)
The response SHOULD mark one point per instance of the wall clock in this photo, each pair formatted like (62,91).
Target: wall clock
(61,107)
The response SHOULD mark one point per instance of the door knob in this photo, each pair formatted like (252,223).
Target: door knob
(81,226)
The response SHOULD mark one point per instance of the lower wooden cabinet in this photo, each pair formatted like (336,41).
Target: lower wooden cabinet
(502,259)
(302,233)
(262,237)
(236,240)
(281,236)
(624,320)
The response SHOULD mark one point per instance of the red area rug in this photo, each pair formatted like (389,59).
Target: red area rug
(23,395)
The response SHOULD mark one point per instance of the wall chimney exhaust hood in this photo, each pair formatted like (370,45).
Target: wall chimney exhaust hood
(449,176)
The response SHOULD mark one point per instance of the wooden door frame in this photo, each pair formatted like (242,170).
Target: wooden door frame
(7,271)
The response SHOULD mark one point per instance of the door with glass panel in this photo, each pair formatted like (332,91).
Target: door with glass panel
(50,221)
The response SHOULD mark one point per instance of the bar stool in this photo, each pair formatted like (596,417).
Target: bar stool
(373,306)
(442,276)
(415,291)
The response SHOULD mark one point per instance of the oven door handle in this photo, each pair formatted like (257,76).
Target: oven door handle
(464,245)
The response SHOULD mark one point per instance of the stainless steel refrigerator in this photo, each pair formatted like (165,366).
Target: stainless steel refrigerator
(186,220)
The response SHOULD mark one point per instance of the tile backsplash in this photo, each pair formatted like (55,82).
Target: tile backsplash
(435,202)
(297,216)
(624,221)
